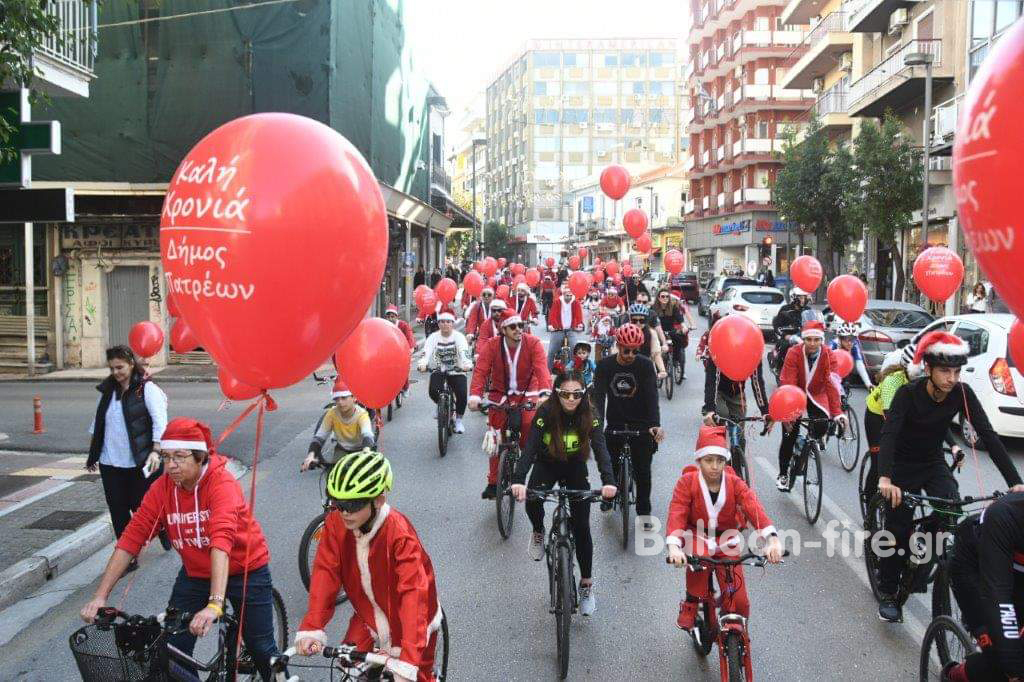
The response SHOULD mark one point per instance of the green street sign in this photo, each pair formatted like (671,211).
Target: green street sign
(29,137)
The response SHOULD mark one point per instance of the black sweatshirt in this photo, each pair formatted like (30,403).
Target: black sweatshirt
(537,448)
(1000,545)
(915,426)
(631,393)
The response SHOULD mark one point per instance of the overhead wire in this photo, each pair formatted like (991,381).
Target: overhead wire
(185,15)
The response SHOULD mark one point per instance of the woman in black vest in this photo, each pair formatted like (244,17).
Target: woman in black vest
(130,419)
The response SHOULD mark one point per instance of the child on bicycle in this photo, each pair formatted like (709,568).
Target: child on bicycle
(347,422)
(710,506)
(582,363)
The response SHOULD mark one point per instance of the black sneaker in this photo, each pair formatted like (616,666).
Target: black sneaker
(132,565)
(606,505)
(889,609)
(490,492)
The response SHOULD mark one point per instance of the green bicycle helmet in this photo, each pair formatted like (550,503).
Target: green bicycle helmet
(360,475)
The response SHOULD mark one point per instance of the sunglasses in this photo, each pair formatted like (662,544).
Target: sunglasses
(350,506)
(177,459)
(514,325)
(571,395)
(629,351)
(662,295)
(487,295)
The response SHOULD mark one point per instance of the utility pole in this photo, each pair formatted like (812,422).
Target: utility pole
(925,59)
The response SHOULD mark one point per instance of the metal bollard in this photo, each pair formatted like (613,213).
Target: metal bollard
(37,413)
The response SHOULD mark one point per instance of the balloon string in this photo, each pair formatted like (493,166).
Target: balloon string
(261,403)
(974,450)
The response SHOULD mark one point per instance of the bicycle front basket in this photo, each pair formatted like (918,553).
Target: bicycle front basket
(120,653)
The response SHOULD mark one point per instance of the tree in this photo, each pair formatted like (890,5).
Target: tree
(498,241)
(459,244)
(889,181)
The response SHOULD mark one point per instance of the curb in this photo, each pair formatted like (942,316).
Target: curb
(24,577)
(156,377)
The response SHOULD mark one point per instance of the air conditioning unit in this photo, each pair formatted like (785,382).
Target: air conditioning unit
(818,85)
(846,62)
(898,21)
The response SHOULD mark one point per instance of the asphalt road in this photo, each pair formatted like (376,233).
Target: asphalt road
(813,618)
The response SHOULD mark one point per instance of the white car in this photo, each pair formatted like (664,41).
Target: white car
(989,370)
(758,304)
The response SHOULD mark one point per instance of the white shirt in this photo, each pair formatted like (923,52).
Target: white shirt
(566,309)
(117,450)
(446,352)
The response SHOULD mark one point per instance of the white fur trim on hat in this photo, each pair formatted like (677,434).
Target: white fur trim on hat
(511,319)
(341,394)
(183,445)
(712,450)
(498,304)
(446,316)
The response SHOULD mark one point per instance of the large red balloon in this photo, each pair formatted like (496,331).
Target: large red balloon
(844,362)
(490,266)
(518,269)
(374,362)
(550,261)
(478,266)
(419,292)
(259,220)
(787,404)
(627,270)
(574,262)
(579,284)
(532,277)
(519,279)
(987,150)
(473,283)
(146,338)
(616,279)
(503,291)
(612,267)
(446,289)
(233,389)
(615,181)
(427,302)
(848,297)
(634,221)
(182,338)
(938,272)
(1016,344)
(674,261)
(598,275)
(502,262)
(643,243)
(172,307)
(736,346)
(806,272)
(582,253)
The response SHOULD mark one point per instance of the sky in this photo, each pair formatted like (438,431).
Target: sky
(463,44)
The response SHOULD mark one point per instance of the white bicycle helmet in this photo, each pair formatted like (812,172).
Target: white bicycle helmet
(848,329)
(797,291)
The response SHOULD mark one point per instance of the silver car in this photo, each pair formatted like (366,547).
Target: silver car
(884,326)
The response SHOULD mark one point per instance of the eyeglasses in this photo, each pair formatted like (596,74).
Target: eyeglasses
(177,459)
(571,395)
(514,325)
(350,506)
(487,295)
(638,319)
(662,295)
(629,351)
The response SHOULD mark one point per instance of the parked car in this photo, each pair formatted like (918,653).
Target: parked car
(714,290)
(654,281)
(758,304)
(884,326)
(990,369)
(688,286)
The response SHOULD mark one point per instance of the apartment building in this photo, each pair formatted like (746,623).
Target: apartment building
(564,109)
(468,159)
(741,106)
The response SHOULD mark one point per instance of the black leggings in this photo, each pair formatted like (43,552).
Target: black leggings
(817,430)
(873,431)
(457,382)
(572,476)
(124,488)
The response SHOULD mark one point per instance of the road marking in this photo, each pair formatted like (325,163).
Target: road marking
(853,560)
(35,498)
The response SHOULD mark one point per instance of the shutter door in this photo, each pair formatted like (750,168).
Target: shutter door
(127,301)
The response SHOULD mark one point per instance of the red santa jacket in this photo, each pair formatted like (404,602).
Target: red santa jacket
(485,331)
(527,308)
(693,517)
(407,331)
(555,314)
(476,315)
(394,602)
(531,374)
(820,389)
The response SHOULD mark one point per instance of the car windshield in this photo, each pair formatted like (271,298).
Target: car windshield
(896,317)
(762,297)
(733,281)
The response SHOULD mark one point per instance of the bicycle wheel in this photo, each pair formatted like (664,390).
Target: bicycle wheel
(848,444)
(505,504)
(874,522)
(945,641)
(564,608)
(679,367)
(246,667)
(704,637)
(307,553)
(862,484)
(442,425)
(739,464)
(812,482)
(625,493)
(669,382)
(943,601)
(734,657)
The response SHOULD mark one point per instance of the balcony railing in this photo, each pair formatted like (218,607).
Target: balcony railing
(832,101)
(756,145)
(944,120)
(439,178)
(892,65)
(752,195)
(75,43)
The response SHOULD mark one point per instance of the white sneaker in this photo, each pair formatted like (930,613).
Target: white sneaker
(459,428)
(782,483)
(537,546)
(587,602)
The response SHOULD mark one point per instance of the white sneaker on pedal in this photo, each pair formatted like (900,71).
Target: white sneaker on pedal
(537,546)
(588,604)
(459,428)
(782,483)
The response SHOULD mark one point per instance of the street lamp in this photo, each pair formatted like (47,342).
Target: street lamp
(925,59)
(478,237)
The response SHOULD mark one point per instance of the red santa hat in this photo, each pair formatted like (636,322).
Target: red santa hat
(446,316)
(391,309)
(486,290)
(185,433)
(813,329)
(340,389)
(942,344)
(711,441)
(510,317)
(498,304)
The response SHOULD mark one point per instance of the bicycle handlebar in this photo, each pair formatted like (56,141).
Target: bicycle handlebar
(748,558)
(911,500)
(626,433)
(556,494)
(507,407)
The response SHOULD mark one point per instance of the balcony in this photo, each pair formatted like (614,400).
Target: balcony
(820,52)
(893,84)
(944,121)
(873,15)
(688,206)
(64,62)
(688,163)
(719,59)
(752,195)
(439,178)
(755,145)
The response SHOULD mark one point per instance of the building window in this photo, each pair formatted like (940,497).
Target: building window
(574,144)
(608,59)
(575,115)
(574,172)
(575,59)
(656,115)
(546,59)
(662,58)
(662,87)
(625,116)
(761,24)
(605,144)
(545,116)
(572,88)
(604,115)
(634,59)
(545,171)
(639,87)
(762,130)
(545,144)
(989,18)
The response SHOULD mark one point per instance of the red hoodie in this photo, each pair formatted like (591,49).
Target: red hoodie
(215,512)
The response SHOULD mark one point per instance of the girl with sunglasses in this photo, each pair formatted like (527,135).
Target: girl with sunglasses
(565,432)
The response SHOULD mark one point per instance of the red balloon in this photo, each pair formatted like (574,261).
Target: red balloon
(787,403)
(268,309)
(478,266)
(233,389)
(806,272)
(598,275)
(848,297)
(582,253)
(502,262)
(374,362)
(844,362)
(938,272)
(1016,343)
(492,282)
(446,289)
(427,302)
(674,261)
(597,260)
(503,291)
(611,267)
(182,338)
(579,284)
(172,307)
(986,167)
(736,346)
(532,277)
(550,261)
(146,339)
(473,283)
(627,270)
(616,279)
(574,262)
(518,279)
(490,266)
(643,243)
(634,221)
(615,181)
(419,292)
(518,269)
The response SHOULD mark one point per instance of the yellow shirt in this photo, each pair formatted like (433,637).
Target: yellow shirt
(348,433)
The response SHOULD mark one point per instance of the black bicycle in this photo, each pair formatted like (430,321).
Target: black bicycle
(314,532)
(445,414)
(738,443)
(559,552)
(846,439)
(945,642)
(866,491)
(624,481)
(118,647)
(679,344)
(508,457)
(668,383)
(806,463)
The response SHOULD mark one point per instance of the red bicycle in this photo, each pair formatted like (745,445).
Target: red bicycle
(728,629)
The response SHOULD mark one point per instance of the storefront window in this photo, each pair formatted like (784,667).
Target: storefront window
(12,270)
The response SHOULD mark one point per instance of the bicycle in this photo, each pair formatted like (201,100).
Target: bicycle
(119,647)
(679,364)
(508,457)
(559,554)
(927,558)
(376,418)
(952,645)
(563,358)
(738,443)
(348,664)
(729,630)
(624,481)
(310,540)
(445,414)
(862,483)
(847,439)
(806,462)
(668,383)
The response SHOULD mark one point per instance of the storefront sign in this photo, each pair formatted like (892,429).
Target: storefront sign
(731,228)
(774,226)
(673,240)
(588,204)
(138,237)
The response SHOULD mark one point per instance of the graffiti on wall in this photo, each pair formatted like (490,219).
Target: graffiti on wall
(70,303)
